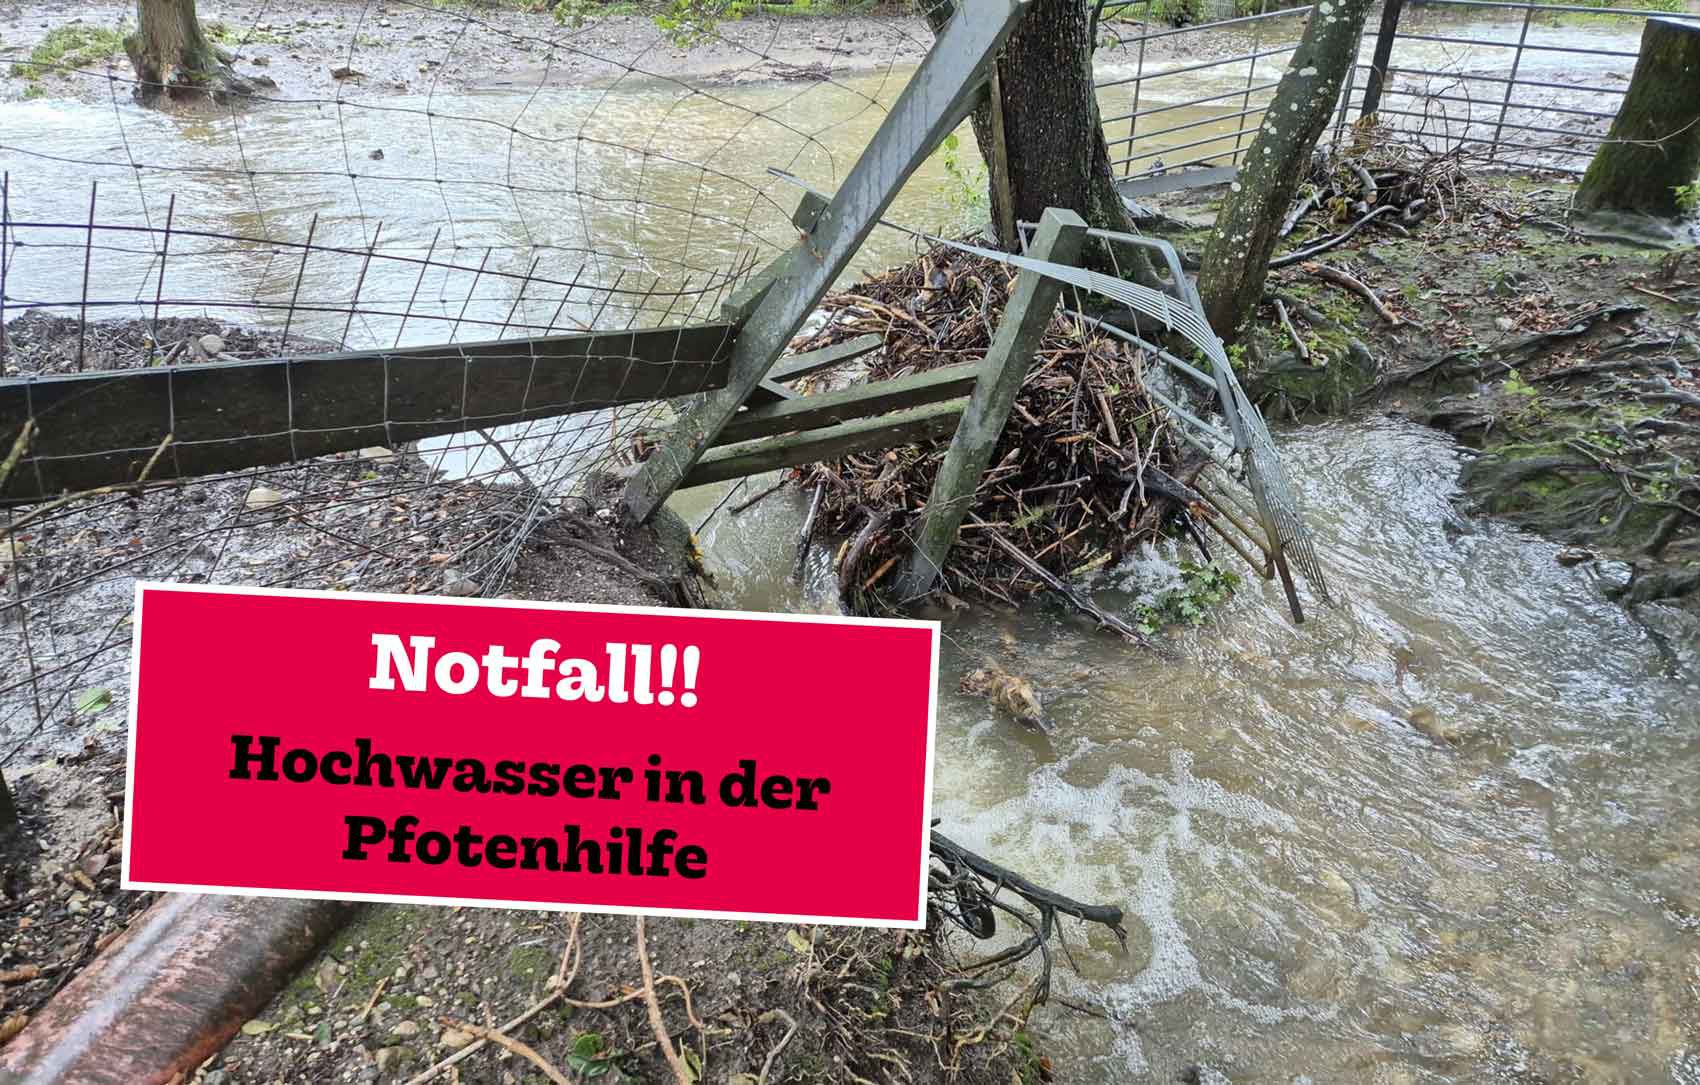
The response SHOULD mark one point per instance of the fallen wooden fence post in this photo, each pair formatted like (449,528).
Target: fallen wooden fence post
(935,100)
(101,429)
(1025,318)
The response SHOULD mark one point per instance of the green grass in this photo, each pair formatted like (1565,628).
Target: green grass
(224,34)
(74,45)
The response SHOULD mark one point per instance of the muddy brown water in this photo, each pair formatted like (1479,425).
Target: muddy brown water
(1321,890)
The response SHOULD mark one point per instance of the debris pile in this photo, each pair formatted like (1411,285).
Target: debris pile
(1075,479)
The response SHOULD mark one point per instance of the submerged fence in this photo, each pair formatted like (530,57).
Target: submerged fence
(1515,85)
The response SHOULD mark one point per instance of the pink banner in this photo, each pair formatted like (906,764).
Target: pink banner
(527,754)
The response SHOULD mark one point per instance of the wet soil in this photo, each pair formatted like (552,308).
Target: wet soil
(1569,362)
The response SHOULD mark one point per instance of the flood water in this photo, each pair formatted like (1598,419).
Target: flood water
(1318,889)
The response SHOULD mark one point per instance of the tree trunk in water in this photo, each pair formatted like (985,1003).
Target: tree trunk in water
(1236,259)
(1654,144)
(171,55)
(1053,137)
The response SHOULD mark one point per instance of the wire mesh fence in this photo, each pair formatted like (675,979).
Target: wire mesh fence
(477,250)
(1511,85)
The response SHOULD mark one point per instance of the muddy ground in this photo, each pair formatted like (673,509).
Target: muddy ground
(383,1000)
(336,48)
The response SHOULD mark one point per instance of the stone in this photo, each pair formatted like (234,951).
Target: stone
(377,452)
(405,1030)
(211,345)
(458,584)
(262,497)
(454,1039)
(1574,555)
(1425,720)
(386,1057)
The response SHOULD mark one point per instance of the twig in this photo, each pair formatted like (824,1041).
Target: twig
(19,446)
(1340,278)
(773,1053)
(742,505)
(558,981)
(1080,602)
(681,1073)
(1323,246)
(807,531)
(523,1050)
(366,1010)
(135,489)
(611,558)
(1287,322)
(1299,211)
(955,854)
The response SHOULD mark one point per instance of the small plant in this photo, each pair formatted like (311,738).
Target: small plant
(1202,587)
(591,1056)
(1515,385)
(968,191)
(1688,197)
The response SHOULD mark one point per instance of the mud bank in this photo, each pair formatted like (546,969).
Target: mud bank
(1565,362)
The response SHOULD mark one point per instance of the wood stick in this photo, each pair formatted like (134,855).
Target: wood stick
(1323,246)
(559,981)
(807,531)
(1080,602)
(523,1050)
(1287,322)
(1340,278)
(681,1073)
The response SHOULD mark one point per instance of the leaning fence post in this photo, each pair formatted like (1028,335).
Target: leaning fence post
(1025,318)
(939,95)
(1383,56)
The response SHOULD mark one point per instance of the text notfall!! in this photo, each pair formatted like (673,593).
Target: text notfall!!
(641,674)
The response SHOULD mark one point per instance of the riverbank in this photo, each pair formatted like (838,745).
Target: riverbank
(1565,361)
(338,49)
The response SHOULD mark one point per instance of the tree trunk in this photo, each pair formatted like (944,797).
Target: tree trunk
(8,809)
(1236,259)
(172,56)
(1053,137)
(1654,144)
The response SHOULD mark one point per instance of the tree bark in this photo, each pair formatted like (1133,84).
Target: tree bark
(1053,137)
(172,56)
(1236,258)
(8,809)
(1654,143)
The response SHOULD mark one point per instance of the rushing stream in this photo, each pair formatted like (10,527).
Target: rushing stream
(1446,831)
(1322,888)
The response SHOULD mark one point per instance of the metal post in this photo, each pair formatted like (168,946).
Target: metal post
(935,100)
(1510,85)
(1250,78)
(1351,84)
(1138,82)
(1383,56)
(1058,240)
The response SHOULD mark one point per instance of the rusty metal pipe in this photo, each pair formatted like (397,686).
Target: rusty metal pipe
(171,991)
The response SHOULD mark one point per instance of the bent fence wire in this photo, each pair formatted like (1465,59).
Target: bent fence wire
(339,227)
(1514,85)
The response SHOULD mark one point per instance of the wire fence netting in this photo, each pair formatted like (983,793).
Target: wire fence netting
(445,200)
